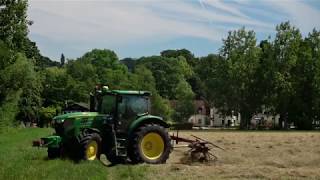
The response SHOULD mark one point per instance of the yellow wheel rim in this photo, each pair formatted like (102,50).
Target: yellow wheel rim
(152,146)
(92,150)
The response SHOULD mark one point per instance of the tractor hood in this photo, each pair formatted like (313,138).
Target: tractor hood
(61,118)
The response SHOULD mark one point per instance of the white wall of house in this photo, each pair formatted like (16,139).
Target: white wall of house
(199,120)
(215,119)
(219,119)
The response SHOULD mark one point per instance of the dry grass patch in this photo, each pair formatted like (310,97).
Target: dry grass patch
(249,155)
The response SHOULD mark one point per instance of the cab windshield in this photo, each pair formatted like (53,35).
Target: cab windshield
(128,105)
(133,105)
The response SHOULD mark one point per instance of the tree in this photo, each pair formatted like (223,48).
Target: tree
(241,55)
(184,104)
(286,48)
(107,67)
(191,60)
(212,71)
(46,115)
(17,85)
(30,100)
(306,104)
(168,72)
(142,79)
(130,63)
(313,40)
(14,25)
(62,60)
(56,87)
(9,92)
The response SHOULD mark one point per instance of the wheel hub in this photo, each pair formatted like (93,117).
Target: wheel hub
(92,149)
(152,146)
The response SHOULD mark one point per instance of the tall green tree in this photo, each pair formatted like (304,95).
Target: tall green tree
(286,54)
(16,86)
(14,24)
(180,52)
(30,100)
(309,81)
(212,71)
(184,103)
(168,72)
(56,87)
(241,54)
(62,60)
(142,79)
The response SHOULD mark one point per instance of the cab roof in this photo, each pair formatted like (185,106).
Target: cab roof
(128,92)
(145,93)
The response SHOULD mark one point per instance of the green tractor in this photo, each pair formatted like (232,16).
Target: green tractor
(119,126)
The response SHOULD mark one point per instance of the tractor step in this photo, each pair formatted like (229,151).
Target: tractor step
(121,148)
(120,143)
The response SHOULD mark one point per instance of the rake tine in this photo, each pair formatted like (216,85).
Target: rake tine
(215,157)
(216,146)
(208,142)
(198,138)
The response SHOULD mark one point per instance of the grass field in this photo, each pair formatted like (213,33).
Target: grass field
(253,155)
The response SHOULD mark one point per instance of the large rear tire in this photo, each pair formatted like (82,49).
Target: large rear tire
(150,144)
(90,146)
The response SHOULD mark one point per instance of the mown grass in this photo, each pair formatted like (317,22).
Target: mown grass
(19,160)
(250,155)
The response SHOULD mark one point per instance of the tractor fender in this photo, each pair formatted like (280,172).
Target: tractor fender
(148,119)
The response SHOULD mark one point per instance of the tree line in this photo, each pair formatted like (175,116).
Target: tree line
(280,75)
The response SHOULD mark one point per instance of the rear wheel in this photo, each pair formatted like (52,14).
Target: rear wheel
(90,146)
(151,144)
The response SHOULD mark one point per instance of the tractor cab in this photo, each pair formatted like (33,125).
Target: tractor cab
(121,105)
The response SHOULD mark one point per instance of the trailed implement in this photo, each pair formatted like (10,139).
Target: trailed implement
(199,149)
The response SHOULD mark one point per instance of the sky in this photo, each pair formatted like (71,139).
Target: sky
(135,28)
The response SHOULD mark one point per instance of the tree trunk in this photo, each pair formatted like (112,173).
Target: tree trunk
(245,120)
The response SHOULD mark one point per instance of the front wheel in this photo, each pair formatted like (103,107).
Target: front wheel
(90,146)
(151,144)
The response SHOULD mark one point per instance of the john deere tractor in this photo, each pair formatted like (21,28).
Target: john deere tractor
(119,126)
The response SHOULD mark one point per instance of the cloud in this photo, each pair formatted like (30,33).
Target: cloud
(121,21)
(301,14)
(116,21)
(225,7)
(86,24)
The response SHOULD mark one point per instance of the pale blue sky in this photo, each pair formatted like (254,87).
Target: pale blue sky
(135,28)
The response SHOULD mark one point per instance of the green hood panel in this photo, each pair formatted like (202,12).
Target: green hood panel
(74,115)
